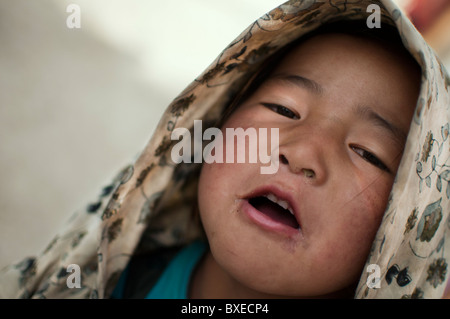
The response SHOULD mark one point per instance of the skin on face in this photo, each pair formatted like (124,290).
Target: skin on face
(343,107)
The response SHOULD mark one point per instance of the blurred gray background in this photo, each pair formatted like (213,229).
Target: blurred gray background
(78,104)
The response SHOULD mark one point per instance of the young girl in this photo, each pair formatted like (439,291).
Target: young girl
(358,204)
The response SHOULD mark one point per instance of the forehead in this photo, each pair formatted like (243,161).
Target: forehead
(354,70)
(366,56)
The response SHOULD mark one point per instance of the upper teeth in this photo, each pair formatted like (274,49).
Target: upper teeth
(280,202)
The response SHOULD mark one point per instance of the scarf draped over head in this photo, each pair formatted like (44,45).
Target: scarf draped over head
(149,204)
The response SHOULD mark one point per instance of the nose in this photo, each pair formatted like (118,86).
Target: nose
(305,156)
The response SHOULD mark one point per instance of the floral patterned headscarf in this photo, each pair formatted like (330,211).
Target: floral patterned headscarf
(149,203)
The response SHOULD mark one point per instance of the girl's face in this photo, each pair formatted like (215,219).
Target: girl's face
(343,107)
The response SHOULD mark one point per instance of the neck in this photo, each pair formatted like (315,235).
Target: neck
(210,281)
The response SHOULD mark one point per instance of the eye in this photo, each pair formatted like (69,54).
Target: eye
(369,157)
(282,110)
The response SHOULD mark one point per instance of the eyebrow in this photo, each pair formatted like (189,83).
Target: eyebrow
(299,81)
(363,112)
(368,114)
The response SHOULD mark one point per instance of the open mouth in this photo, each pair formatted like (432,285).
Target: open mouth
(276,209)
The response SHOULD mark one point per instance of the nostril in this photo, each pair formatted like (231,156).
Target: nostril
(309,173)
(283,159)
(306,172)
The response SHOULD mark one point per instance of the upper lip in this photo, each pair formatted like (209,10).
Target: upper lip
(280,195)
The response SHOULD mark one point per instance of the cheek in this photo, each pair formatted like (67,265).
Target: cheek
(367,200)
(352,229)
(217,194)
(376,197)
(211,184)
(208,201)
(369,207)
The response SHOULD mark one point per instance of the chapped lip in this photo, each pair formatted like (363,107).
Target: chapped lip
(280,194)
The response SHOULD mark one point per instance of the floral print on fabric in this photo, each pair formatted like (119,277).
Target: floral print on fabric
(416,257)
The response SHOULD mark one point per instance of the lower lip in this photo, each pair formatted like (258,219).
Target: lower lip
(267,223)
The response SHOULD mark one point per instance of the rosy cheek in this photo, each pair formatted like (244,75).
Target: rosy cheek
(356,224)
(366,216)
(376,198)
(206,187)
(374,190)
